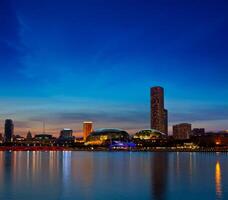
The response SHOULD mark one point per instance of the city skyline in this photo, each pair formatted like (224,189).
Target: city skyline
(158,120)
(80,60)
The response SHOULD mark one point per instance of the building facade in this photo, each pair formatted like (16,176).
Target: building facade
(182,131)
(66,133)
(159,115)
(9,129)
(87,129)
(198,132)
(166,121)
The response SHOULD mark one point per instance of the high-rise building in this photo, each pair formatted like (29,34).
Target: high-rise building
(9,128)
(182,131)
(66,133)
(87,129)
(166,120)
(159,115)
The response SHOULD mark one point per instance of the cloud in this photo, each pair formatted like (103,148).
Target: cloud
(77,117)
(219,112)
(21,124)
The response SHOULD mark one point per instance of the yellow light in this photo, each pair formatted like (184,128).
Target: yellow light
(218,177)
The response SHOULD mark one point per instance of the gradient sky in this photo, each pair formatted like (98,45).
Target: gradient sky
(69,61)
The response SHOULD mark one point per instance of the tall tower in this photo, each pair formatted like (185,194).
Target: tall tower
(159,115)
(9,128)
(166,120)
(87,129)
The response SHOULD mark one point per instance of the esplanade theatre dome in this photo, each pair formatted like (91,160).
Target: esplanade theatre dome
(149,134)
(106,135)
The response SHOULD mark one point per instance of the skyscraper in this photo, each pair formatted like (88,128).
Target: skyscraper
(87,129)
(166,120)
(159,115)
(9,127)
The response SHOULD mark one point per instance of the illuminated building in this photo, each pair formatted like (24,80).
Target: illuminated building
(159,115)
(87,129)
(211,139)
(149,134)
(107,136)
(9,129)
(182,131)
(66,137)
(150,137)
(44,137)
(18,138)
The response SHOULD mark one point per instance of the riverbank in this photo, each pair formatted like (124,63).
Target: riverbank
(97,149)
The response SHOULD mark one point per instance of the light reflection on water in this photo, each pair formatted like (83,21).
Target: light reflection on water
(117,175)
(218,180)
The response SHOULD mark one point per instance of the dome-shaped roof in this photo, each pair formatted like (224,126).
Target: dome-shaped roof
(105,131)
(149,134)
(99,136)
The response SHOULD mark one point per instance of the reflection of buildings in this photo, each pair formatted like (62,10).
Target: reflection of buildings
(9,127)
(182,131)
(87,129)
(159,176)
(7,165)
(159,115)
(218,178)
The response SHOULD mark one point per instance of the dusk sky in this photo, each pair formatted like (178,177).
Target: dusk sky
(64,62)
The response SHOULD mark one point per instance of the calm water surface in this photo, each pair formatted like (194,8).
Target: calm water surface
(113,175)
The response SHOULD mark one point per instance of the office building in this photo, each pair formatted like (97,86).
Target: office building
(66,133)
(9,129)
(166,121)
(182,131)
(159,115)
(87,129)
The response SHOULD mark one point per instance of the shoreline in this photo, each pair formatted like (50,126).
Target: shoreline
(104,149)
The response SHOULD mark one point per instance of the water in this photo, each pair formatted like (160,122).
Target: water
(113,175)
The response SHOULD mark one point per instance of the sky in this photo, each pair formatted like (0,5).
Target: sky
(65,62)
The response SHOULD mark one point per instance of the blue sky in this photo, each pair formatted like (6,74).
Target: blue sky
(69,61)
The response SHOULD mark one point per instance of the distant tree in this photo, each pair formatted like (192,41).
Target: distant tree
(29,136)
